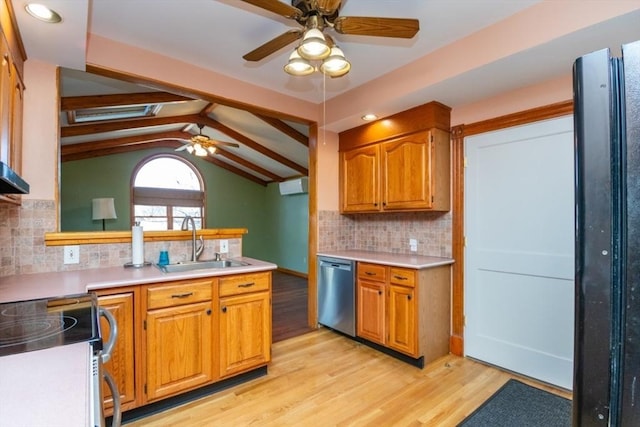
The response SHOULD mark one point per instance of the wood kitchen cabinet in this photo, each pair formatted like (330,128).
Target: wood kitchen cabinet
(12,58)
(244,310)
(179,340)
(409,173)
(121,304)
(404,309)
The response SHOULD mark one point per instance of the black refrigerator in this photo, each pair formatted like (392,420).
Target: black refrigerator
(606,388)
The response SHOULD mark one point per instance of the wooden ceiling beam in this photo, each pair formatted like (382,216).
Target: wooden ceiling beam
(284,128)
(105,151)
(253,145)
(121,142)
(235,170)
(68,103)
(111,126)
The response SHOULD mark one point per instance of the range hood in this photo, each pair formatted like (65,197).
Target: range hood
(10,182)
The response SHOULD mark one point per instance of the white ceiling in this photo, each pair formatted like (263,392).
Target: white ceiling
(214,34)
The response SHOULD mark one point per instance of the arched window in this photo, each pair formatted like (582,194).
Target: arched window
(165,189)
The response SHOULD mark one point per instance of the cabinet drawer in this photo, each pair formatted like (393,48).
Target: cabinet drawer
(403,276)
(245,283)
(372,272)
(160,296)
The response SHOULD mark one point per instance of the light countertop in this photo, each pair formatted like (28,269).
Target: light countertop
(45,285)
(417,262)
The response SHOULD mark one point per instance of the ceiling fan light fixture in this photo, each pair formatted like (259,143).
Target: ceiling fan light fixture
(190,149)
(314,45)
(211,149)
(335,65)
(298,66)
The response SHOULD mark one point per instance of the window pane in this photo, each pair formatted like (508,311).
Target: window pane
(146,210)
(166,172)
(177,223)
(152,224)
(182,212)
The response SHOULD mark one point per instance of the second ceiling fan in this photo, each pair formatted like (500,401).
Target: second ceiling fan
(321,14)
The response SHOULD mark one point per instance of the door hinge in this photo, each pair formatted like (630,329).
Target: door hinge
(433,199)
(430,137)
(145,389)
(144,325)
(465,162)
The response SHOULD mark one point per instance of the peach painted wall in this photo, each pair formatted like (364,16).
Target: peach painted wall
(40,130)
(328,162)
(538,95)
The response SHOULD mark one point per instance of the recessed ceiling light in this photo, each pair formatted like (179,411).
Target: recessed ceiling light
(369,117)
(43,13)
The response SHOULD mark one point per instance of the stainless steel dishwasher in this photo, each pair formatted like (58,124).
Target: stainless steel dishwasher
(337,294)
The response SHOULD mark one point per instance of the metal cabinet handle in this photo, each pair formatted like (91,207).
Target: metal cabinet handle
(369,273)
(208,312)
(246,285)
(379,292)
(409,297)
(113,334)
(185,295)
(224,309)
(399,277)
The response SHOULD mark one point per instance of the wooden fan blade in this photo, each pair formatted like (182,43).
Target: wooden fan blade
(273,45)
(277,7)
(225,144)
(380,27)
(328,7)
(184,147)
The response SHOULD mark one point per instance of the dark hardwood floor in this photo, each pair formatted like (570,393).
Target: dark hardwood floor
(289,306)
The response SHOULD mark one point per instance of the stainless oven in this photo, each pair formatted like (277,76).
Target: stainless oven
(62,333)
(97,375)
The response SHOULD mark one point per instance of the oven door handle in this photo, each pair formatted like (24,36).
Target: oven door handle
(115,394)
(113,335)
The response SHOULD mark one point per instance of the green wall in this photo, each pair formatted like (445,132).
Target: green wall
(278,225)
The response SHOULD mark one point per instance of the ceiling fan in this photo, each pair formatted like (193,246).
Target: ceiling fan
(321,14)
(201,145)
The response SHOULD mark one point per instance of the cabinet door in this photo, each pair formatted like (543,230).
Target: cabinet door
(6,93)
(179,349)
(245,332)
(371,319)
(406,173)
(121,365)
(360,180)
(402,320)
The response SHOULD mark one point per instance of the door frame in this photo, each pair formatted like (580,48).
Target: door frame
(458,134)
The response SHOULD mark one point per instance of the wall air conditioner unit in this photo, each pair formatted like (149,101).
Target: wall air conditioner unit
(294,186)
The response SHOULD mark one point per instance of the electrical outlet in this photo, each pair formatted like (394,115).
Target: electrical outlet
(72,254)
(224,246)
(413,245)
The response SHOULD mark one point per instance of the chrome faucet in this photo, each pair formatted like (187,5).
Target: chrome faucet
(195,251)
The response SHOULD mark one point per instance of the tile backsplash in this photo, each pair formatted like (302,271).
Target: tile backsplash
(389,232)
(23,251)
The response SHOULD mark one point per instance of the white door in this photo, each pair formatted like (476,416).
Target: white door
(519,255)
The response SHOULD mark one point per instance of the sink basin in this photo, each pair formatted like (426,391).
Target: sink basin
(199,265)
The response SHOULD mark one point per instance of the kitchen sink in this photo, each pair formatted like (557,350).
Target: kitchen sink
(200,265)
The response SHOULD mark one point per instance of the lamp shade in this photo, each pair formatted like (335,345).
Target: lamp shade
(298,66)
(336,64)
(103,208)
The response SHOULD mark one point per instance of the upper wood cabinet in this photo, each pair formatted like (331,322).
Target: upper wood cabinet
(12,58)
(401,168)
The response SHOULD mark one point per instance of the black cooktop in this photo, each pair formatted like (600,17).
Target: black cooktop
(48,322)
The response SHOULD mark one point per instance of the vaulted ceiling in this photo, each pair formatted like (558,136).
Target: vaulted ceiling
(95,121)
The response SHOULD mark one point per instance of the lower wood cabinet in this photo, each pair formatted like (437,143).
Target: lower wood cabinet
(179,340)
(244,323)
(404,309)
(121,366)
(180,335)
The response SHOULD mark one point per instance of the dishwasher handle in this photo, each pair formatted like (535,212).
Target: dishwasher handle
(333,264)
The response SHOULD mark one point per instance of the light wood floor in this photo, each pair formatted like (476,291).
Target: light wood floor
(324,379)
